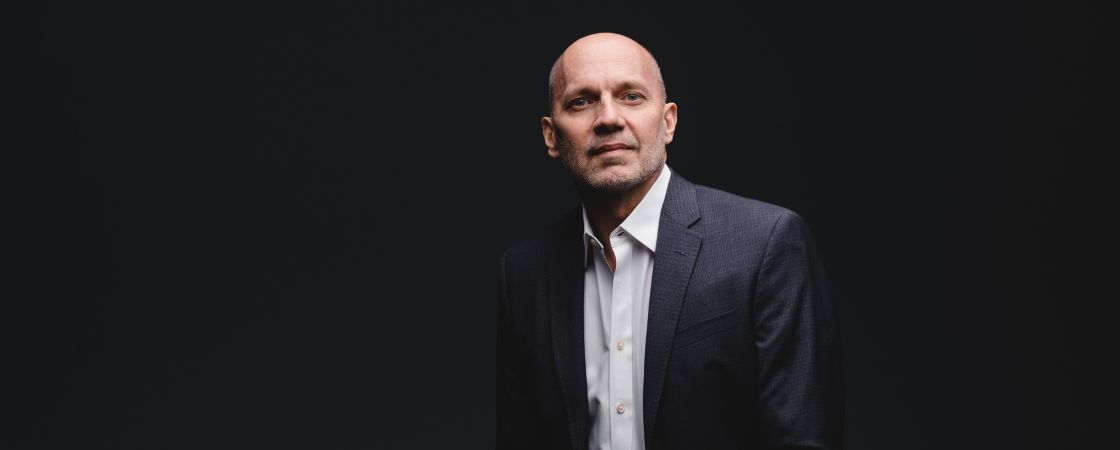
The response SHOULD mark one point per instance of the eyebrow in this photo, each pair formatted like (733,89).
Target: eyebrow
(620,86)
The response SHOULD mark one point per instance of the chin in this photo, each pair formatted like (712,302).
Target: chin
(613,181)
(613,175)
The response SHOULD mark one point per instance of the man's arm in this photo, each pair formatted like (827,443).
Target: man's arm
(512,431)
(800,373)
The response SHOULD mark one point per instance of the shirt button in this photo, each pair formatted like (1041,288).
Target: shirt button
(620,346)
(620,408)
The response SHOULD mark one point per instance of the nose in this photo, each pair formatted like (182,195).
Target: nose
(608,121)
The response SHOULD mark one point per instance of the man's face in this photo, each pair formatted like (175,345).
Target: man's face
(609,122)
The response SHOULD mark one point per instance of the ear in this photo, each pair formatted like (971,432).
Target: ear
(670,117)
(549,132)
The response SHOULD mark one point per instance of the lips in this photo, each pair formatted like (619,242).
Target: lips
(608,147)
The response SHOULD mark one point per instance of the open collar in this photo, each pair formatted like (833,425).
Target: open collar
(642,223)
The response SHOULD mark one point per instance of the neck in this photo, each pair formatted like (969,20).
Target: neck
(607,210)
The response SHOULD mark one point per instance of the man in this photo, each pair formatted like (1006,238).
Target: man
(661,314)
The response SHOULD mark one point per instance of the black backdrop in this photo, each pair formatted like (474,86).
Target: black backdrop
(277,226)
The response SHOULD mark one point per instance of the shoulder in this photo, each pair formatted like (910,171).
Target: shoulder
(544,241)
(721,209)
(748,229)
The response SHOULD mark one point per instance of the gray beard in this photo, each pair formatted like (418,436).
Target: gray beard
(584,180)
(612,185)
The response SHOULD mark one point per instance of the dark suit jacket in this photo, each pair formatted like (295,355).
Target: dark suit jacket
(741,351)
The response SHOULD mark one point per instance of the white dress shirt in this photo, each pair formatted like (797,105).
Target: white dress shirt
(615,309)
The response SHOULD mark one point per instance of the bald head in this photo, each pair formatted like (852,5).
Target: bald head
(597,47)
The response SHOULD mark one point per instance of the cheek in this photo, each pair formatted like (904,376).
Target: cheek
(651,128)
(567,137)
(564,145)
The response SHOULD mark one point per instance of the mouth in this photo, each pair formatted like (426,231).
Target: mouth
(608,148)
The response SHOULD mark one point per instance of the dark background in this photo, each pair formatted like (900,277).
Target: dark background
(277,226)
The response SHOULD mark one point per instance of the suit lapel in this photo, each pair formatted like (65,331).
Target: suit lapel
(565,279)
(677,248)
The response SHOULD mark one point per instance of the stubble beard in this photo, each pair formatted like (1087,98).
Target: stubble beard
(580,167)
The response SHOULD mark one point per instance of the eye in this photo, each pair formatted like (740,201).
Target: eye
(632,97)
(579,103)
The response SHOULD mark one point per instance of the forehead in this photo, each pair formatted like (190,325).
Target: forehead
(606,62)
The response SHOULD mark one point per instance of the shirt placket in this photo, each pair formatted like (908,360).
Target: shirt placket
(621,331)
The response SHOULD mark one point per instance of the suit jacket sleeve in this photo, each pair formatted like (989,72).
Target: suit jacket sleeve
(513,431)
(800,386)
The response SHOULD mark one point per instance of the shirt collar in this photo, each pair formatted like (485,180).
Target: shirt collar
(643,221)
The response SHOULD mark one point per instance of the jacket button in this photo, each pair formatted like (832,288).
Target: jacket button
(620,408)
